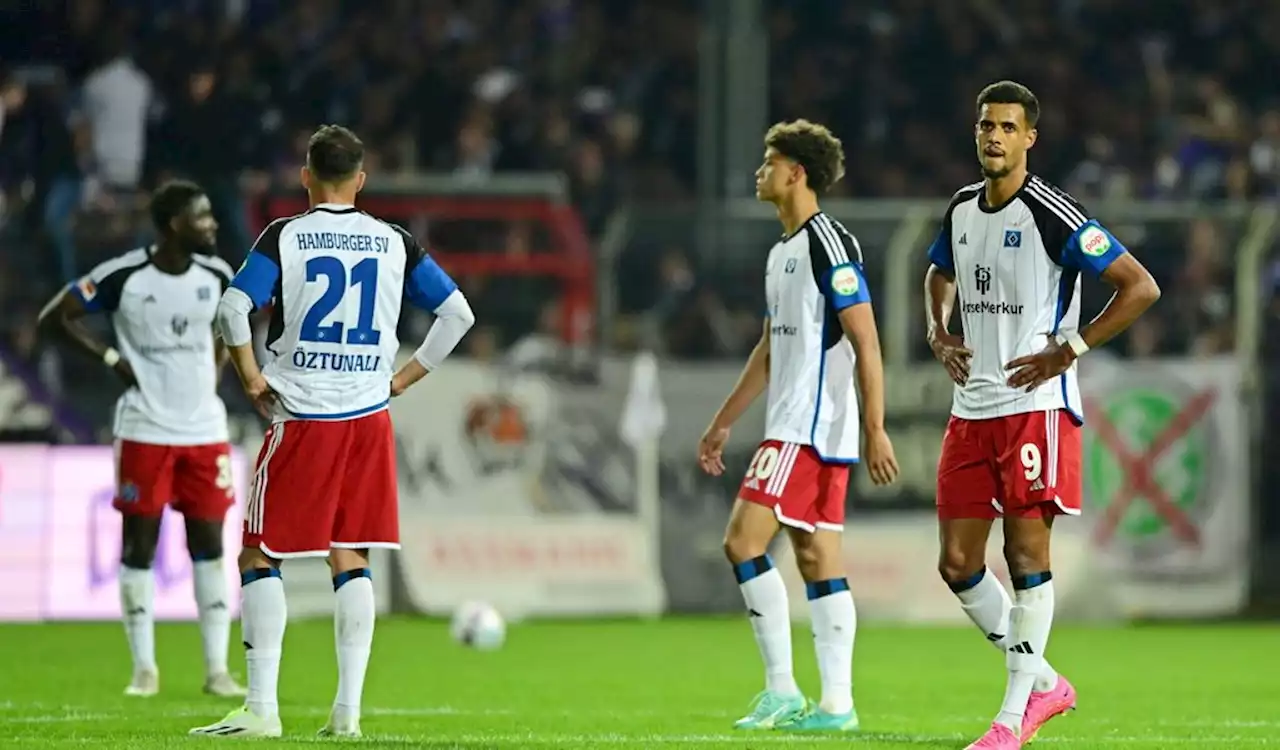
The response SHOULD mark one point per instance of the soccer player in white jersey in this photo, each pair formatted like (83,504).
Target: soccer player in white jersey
(1013,248)
(170,426)
(819,333)
(325,483)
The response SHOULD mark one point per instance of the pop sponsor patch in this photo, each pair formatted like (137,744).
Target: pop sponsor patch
(1094,242)
(845,281)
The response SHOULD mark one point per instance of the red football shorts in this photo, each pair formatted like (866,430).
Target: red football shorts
(1022,465)
(194,479)
(804,491)
(321,484)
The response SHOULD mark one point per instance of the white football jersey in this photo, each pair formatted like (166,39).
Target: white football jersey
(337,276)
(1017,270)
(164,329)
(810,277)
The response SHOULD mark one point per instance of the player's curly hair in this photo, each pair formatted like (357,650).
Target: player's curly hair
(813,147)
(1011,92)
(170,200)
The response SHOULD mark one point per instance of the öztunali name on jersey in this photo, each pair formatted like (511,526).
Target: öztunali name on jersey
(305,360)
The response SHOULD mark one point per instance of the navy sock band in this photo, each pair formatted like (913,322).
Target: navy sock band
(257,574)
(819,589)
(967,583)
(206,556)
(351,575)
(1031,580)
(756,566)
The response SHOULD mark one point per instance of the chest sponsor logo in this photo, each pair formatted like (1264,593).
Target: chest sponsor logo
(782,329)
(982,277)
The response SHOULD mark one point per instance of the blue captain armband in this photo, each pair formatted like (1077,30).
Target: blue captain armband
(845,286)
(257,278)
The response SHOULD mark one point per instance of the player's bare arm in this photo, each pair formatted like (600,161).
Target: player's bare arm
(62,316)
(859,325)
(220,355)
(1136,291)
(940,300)
(751,383)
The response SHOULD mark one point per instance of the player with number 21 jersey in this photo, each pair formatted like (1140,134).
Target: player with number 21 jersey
(325,480)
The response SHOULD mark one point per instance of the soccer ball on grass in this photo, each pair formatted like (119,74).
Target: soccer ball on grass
(479,626)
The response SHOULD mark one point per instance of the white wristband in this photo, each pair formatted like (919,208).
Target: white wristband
(110,357)
(1076,342)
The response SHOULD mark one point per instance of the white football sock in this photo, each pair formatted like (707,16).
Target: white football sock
(766,598)
(987,604)
(215,615)
(263,615)
(1029,625)
(353,622)
(835,623)
(137,605)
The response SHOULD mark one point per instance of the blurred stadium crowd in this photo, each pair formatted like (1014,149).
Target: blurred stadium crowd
(99,101)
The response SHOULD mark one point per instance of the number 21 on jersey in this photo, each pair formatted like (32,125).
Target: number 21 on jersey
(363,280)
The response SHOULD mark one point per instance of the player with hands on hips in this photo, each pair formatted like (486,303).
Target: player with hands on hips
(1009,257)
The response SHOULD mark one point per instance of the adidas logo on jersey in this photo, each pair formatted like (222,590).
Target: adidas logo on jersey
(964,239)
(1037,485)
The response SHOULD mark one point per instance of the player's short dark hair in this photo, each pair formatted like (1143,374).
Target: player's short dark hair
(1011,92)
(334,153)
(170,200)
(813,147)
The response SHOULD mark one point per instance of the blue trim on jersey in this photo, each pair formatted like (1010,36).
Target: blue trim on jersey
(91,304)
(428,286)
(257,278)
(940,252)
(344,415)
(1058,315)
(817,405)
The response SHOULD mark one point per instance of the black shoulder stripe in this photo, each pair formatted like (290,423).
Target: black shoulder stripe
(1057,202)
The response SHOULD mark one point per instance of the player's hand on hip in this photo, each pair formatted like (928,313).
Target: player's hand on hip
(881,463)
(711,450)
(124,371)
(1031,371)
(260,393)
(949,349)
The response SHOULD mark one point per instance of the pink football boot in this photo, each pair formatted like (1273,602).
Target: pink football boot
(998,737)
(1044,706)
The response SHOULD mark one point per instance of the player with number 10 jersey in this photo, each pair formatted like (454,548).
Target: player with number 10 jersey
(325,480)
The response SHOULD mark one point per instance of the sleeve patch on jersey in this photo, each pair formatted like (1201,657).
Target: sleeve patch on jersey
(1094,242)
(844,281)
(88,289)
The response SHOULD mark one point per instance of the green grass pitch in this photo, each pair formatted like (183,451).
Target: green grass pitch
(668,684)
